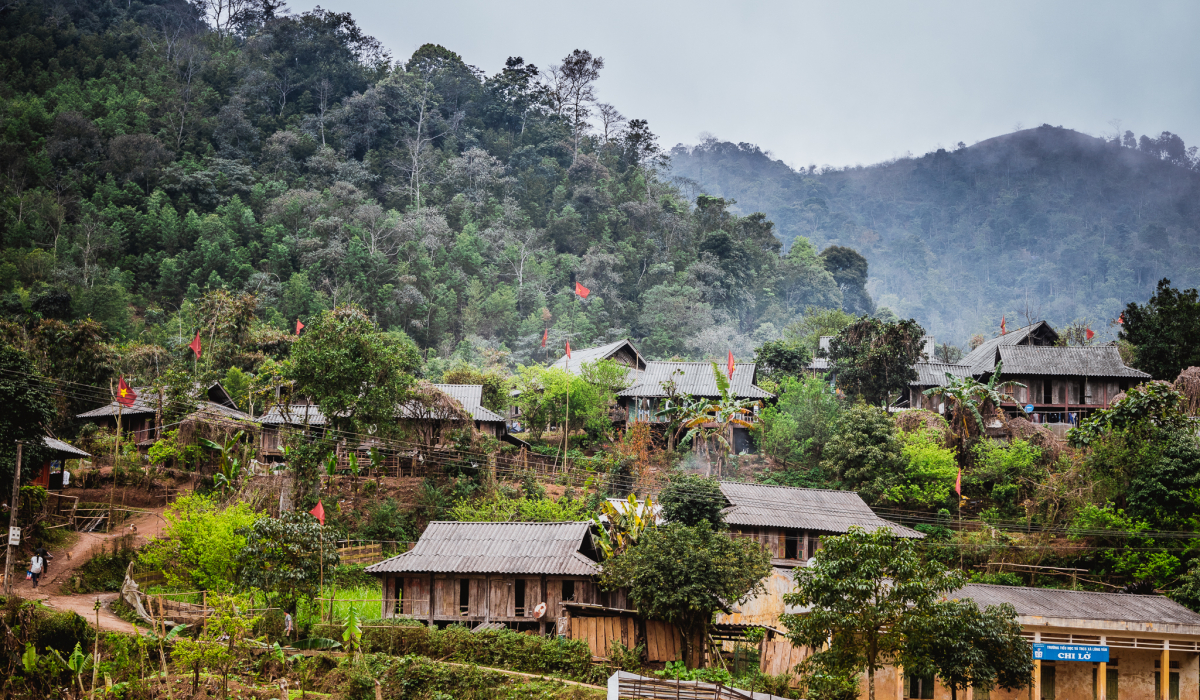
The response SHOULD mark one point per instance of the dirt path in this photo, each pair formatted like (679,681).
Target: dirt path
(85,603)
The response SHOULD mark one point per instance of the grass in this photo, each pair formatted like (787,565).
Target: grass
(364,600)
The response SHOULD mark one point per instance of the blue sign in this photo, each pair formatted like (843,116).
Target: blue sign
(1070,652)
(1029,408)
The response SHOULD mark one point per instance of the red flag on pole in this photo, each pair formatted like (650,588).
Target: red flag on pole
(299,326)
(568,349)
(731,364)
(1002,330)
(958,483)
(1090,334)
(318,512)
(195,345)
(125,395)
(582,290)
(545,334)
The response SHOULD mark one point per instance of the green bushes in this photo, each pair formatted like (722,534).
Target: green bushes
(506,649)
(103,572)
(413,676)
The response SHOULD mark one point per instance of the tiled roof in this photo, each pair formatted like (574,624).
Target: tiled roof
(1087,361)
(471,397)
(60,446)
(497,548)
(934,373)
(696,379)
(982,360)
(294,414)
(763,505)
(1084,605)
(600,352)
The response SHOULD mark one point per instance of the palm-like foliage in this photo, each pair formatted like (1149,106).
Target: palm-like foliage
(969,397)
(626,524)
(229,462)
(710,421)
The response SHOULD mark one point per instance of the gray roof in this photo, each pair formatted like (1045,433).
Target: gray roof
(1087,361)
(696,380)
(600,352)
(763,505)
(497,548)
(292,414)
(471,397)
(211,408)
(60,446)
(934,373)
(1082,605)
(982,360)
(214,394)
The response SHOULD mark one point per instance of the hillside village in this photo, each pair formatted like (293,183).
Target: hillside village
(336,374)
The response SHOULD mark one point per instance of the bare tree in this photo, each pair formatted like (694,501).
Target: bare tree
(610,121)
(571,88)
(323,90)
(225,14)
(380,228)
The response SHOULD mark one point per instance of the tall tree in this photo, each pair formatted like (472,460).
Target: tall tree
(1164,330)
(874,359)
(28,411)
(863,591)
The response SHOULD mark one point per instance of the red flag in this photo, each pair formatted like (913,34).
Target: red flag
(195,345)
(731,364)
(1121,318)
(299,326)
(958,484)
(568,349)
(125,395)
(582,290)
(1002,331)
(1090,334)
(318,512)
(545,334)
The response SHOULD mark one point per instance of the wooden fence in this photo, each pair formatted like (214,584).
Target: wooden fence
(780,656)
(663,642)
(361,554)
(601,632)
(628,685)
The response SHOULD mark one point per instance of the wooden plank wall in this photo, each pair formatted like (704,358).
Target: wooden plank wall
(601,632)
(662,642)
(780,656)
(361,554)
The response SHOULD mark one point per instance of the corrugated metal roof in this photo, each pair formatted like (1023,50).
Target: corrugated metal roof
(600,352)
(696,379)
(764,505)
(293,414)
(1088,361)
(934,373)
(471,398)
(982,359)
(497,548)
(141,405)
(1086,605)
(60,446)
(211,408)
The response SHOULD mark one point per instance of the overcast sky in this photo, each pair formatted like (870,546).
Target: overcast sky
(839,82)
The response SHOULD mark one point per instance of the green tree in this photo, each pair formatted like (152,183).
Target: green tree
(201,544)
(801,422)
(683,575)
(223,643)
(929,471)
(779,359)
(1163,330)
(283,557)
(526,510)
(863,592)
(865,453)
(966,647)
(354,371)
(693,500)
(29,410)
(874,359)
(849,270)
(970,400)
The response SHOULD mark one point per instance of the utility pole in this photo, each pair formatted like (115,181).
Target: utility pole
(14,504)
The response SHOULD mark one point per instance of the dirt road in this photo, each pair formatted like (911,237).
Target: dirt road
(85,603)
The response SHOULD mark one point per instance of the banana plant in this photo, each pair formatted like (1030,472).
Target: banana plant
(229,462)
(79,662)
(969,398)
(353,634)
(712,421)
(626,524)
(331,465)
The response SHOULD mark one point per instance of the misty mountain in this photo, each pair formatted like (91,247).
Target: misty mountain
(1047,222)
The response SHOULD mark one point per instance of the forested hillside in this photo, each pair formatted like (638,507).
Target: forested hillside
(1045,222)
(151,155)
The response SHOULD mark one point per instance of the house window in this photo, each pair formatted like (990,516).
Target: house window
(568,590)
(1173,681)
(464,596)
(919,687)
(519,597)
(790,546)
(1047,391)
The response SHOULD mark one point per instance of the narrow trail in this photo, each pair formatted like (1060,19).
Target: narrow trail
(66,560)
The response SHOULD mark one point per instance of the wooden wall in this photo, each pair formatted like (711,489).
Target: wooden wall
(489,598)
(601,632)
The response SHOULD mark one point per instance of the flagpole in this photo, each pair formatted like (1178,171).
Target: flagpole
(116,456)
